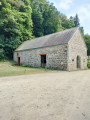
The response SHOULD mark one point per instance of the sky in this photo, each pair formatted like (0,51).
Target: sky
(71,7)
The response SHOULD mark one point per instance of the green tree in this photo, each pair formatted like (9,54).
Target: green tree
(2,55)
(65,22)
(82,31)
(87,40)
(46,18)
(37,19)
(15,24)
(52,22)
(71,20)
(76,21)
(37,23)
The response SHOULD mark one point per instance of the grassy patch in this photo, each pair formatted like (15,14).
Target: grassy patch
(88,63)
(9,68)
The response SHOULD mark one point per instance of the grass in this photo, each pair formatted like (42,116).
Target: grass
(8,68)
(88,63)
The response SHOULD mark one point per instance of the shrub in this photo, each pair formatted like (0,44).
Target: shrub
(88,63)
(13,63)
(2,54)
(24,65)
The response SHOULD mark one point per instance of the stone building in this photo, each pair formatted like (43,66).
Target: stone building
(64,50)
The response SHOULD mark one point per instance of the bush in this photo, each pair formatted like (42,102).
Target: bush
(24,65)
(2,54)
(13,63)
(88,63)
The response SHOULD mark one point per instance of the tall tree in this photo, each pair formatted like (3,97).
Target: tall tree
(37,19)
(76,21)
(47,17)
(71,20)
(37,23)
(52,22)
(65,22)
(15,24)
(87,40)
(82,31)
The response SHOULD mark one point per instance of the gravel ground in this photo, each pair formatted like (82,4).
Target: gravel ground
(47,96)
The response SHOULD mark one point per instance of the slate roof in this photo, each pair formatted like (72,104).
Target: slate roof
(54,39)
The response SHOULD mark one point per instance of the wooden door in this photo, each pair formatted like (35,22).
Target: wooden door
(43,61)
(78,62)
(18,60)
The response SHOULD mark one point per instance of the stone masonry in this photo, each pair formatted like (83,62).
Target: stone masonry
(56,57)
(77,47)
(68,56)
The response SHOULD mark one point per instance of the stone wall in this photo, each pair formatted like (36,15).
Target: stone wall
(77,47)
(56,57)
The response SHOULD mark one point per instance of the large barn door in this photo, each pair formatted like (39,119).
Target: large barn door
(78,62)
(43,61)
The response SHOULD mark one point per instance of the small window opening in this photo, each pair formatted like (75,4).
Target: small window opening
(17,54)
(72,59)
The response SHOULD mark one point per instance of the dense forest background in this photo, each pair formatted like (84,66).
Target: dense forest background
(22,20)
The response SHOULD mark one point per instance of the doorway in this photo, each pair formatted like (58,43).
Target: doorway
(18,61)
(43,61)
(78,62)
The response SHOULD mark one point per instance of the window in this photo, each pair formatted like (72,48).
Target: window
(72,59)
(17,54)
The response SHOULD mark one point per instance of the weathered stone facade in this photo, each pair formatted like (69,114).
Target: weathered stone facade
(69,56)
(77,47)
(56,57)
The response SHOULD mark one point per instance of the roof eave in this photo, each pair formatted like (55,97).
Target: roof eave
(39,47)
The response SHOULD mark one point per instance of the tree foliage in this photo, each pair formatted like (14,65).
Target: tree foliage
(65,22)
(87,40)
(46,18)
(15,24)
(37,19)
(82,31)
(76,21)
(71,20)
(22,20)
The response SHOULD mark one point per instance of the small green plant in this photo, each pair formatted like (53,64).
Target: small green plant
(88,63)
(3,60)
(13,63)
(2,54)
(23,65)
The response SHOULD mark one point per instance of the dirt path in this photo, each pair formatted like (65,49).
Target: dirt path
(46,96)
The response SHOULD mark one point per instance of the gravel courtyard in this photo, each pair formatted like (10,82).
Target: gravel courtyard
(46,96)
